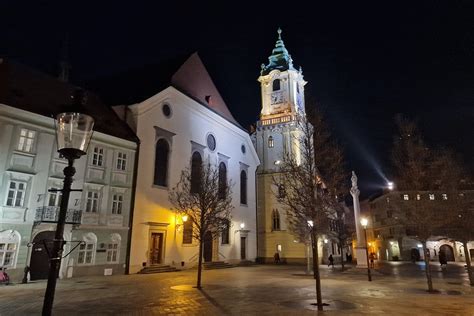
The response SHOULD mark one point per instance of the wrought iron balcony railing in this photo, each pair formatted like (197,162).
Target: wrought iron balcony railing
(49,214)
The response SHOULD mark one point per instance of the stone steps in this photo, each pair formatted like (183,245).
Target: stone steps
(157,269)
(217,265)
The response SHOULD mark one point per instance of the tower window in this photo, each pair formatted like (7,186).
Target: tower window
(222,180)
(276,84)
(276,220)
(243,187)
(270,142)
(161,162)
(196,166)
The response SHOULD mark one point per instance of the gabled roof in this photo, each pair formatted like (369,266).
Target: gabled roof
(185,73)
(30,90)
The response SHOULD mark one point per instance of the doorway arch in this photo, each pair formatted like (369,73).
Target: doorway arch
(39,263)
(448,252)
(207,247)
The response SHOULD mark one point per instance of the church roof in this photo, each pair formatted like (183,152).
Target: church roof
(279,59)
(185,73)
(30,90)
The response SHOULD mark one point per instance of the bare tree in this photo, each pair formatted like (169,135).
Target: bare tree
(206,199)
(309,201)
(341,230)
(417,172)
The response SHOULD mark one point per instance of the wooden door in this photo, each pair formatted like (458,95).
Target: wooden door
(243,251)
(156,249)
(208,247)
(39,263)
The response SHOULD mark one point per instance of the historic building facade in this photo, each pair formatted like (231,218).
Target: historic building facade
(276,135)
(186,122)
(97,218)
(389,239)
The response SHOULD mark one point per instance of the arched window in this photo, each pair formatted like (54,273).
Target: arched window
(86,253)
(196,165)
(276,219)
(276,84)
(243,187)
(222,180)
(113,248)
(161,162)
(270,142)
(9,245)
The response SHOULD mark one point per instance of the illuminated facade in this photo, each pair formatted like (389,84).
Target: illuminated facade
(30,166)
(188,120)
(391,240)
(276,135)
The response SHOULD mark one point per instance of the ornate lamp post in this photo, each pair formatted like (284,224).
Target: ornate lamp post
(364,223)
(73,132)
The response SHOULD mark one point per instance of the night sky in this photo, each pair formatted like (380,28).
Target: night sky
(364,62)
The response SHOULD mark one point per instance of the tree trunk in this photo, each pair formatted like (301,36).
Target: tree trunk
(342,257)
(308,261)
(468,263)
(198,285)
(427,267)
(317,276)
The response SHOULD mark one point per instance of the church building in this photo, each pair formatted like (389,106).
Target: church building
(183,120)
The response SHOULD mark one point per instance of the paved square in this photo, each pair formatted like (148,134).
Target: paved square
(396,289)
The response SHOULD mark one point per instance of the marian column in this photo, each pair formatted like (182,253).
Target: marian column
(361,243)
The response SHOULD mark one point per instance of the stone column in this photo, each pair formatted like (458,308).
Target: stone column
(361,242)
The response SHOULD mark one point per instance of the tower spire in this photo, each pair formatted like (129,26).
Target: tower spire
(280,58)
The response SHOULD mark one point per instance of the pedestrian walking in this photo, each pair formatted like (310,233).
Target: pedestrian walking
(276,257)
(331,261)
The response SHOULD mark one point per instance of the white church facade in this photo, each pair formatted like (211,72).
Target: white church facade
(188,121)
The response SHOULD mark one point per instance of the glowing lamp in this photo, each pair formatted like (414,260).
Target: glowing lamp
(325,241)
(242,225)
(184,218)
(73,132)
(364,221)
(390,185)
(310,223)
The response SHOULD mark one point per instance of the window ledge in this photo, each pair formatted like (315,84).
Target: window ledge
(246,205)
(162,187)
(24,153)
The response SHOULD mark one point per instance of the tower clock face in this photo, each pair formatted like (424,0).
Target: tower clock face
(276,98)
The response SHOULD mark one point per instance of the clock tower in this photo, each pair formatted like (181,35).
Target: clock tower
(276,135)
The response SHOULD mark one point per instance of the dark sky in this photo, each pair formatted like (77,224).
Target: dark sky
(364,61)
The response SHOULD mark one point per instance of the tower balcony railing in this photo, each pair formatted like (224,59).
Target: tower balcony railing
(50,214)
(275,120)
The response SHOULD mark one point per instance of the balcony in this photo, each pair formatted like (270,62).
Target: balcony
(49,214)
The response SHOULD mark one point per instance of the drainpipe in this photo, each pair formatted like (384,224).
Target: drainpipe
(132,208)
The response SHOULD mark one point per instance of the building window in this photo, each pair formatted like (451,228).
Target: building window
(55,198)
(211,142)
(162,151)
(445,196)
(225,233)
(188,232)
(418,197)
(276,220)
(389,213)
(16,193)
(270,142)
(281,191)
(112,252)
(243,187)
(276,84)
(98,156)
(406,197)
(432,197)
(92,203)
(7,254)
(196,166)
(121,161)
(86,253)
(166,109)
(27,138)
(222,180)
(117,201)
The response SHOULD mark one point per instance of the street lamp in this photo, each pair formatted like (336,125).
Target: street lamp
(364,221)
(73,132)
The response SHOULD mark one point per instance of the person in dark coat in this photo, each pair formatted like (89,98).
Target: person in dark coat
(331,261)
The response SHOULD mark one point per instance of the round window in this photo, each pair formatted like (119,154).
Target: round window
(211,142)
(242,148)
(166,110)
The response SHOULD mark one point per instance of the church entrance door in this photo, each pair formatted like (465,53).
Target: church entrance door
(207,247)
(448,252)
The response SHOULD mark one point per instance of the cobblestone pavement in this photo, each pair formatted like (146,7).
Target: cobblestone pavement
(398,289)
